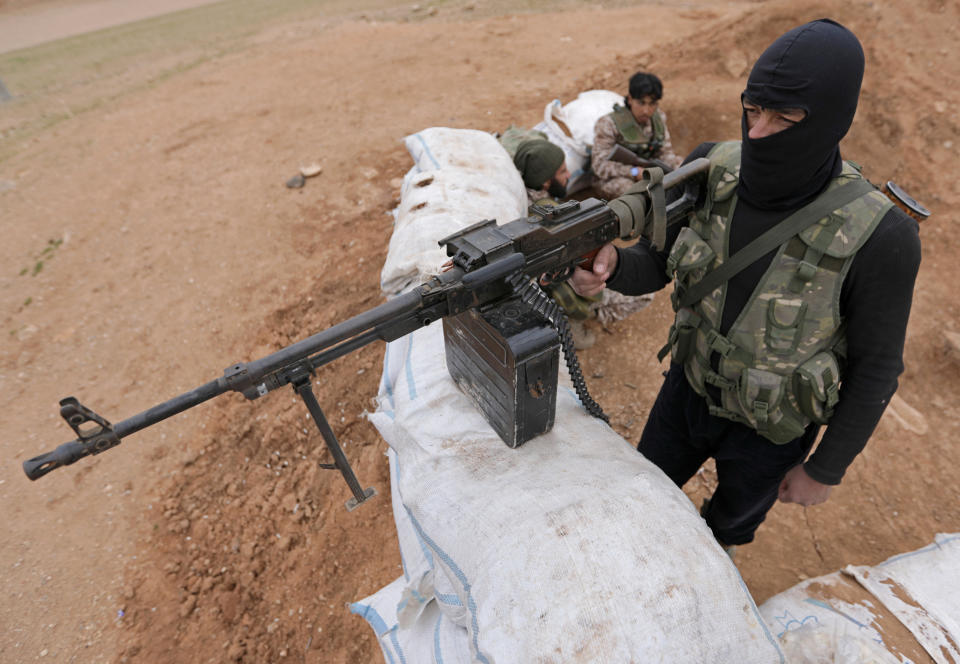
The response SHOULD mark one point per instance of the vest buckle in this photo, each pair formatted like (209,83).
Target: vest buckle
(715,379)
(806,270)
(720,343)
(761,411)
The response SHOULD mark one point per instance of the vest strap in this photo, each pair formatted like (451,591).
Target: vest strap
(719,343)
(653,181)
(713,378)
(663,352)
(627,125)
(776,236)
(632,133)
(813,255)
(717,411)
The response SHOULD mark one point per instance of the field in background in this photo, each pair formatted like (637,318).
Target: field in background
(142,168)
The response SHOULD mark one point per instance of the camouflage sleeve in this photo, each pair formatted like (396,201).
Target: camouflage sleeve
(604,140)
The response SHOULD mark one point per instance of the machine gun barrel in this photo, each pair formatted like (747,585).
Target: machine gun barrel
(485,257)
(95,434)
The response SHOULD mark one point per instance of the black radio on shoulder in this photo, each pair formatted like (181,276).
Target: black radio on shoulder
(506,359)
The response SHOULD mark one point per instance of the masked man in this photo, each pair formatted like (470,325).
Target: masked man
(775,338)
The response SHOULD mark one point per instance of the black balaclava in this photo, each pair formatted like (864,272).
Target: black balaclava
(817,67)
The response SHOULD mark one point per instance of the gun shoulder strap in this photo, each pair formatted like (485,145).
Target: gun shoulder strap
(773,238)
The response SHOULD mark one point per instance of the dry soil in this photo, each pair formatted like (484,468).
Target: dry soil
(149,242)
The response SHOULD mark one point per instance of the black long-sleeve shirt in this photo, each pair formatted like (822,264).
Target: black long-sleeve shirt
(875,303)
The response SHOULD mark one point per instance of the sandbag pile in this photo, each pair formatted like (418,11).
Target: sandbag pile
(459,177)
(904,609)
(572,547)
(570,126)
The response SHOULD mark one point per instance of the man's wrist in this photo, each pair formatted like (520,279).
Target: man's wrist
(616,268)
(818,475)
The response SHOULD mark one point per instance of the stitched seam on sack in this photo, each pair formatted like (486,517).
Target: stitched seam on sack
(449,600)
(437,655)
(411,383)
(927,549)
(763,623)
(370,614)
(471,603)
(426,149)
(427,553)
(396,645)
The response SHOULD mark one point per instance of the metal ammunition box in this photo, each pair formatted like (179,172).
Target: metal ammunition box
(506,358)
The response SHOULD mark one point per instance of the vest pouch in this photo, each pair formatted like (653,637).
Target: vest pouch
(690,257)
(816,385)
(784,325)
(764,401)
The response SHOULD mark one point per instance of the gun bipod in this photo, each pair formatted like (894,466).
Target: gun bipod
(303,387)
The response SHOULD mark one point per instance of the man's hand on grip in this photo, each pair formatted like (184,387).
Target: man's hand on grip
(591,282)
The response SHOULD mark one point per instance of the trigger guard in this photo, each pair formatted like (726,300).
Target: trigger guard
(550,278)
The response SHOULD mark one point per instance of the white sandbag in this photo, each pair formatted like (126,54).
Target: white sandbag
(557,550)
(424,579)
(460,177)
(922,589)
(576,158)
(468,150)
(906,607)
(570,126)
(831,619)
(415,557)
(432,638)
(572,547)
(581,114)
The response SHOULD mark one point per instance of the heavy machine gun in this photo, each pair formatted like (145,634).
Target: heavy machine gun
(489,263)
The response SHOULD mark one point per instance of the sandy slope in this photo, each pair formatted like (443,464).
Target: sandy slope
(177,250)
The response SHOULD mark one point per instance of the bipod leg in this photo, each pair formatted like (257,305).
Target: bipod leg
(305,391)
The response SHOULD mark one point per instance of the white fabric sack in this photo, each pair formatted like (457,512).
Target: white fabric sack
(922,588)
(572,547)
(570,126)
(818,621)
(415,557)
(460,177)
(422,584)
(845,617)
(575,157)
(430,639)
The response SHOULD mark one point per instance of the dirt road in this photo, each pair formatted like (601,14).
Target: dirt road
(150,242)
(25,24)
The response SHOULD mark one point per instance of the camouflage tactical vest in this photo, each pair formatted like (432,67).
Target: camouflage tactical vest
(631,134)
(514,136)
(780,362)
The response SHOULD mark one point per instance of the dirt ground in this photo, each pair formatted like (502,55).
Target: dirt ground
(149,242)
